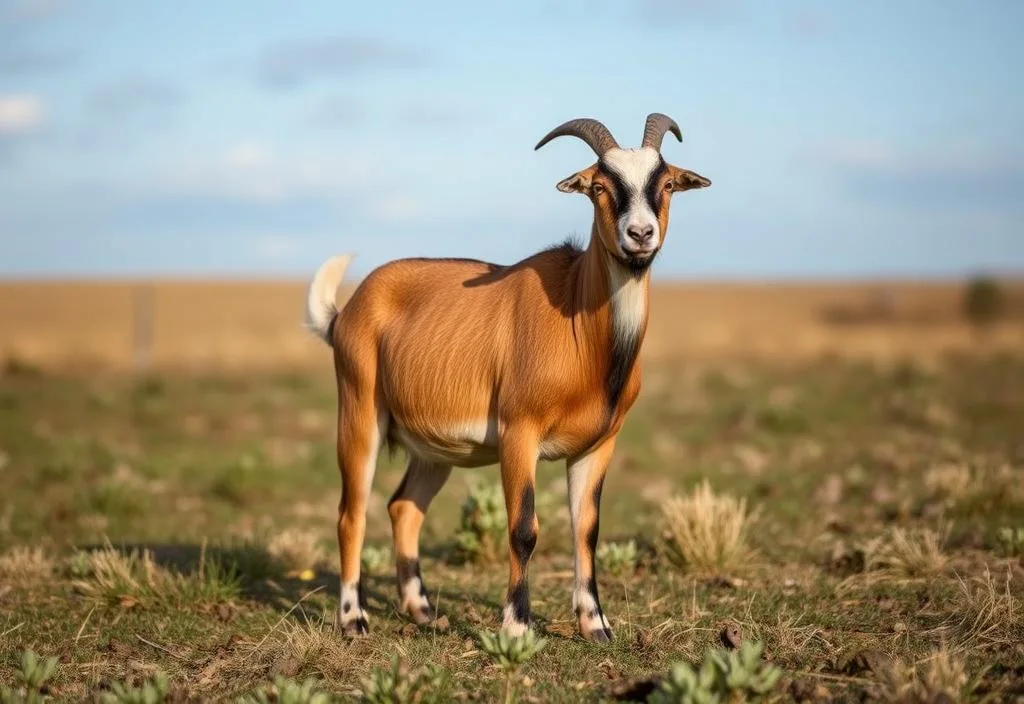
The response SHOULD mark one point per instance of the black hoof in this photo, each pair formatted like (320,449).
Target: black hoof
(357,627)
(601,635)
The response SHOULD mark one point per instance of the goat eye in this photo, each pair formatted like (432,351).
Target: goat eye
(668,185)
(597,189)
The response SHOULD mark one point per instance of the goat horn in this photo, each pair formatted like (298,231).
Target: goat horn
(656,127)
(590,131)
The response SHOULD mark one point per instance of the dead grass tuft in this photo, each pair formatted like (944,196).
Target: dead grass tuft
(941,676)
(23,563)
(988,614)
(909,553)
(947,482)
(296,550)
(706,532)
(134,578)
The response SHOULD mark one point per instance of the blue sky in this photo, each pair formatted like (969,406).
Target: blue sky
(854,139)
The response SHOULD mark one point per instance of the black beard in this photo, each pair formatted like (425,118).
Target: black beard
(636,266)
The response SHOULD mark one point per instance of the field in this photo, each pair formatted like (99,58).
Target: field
(864,460)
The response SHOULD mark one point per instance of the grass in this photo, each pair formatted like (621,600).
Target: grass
(705,532)
(858,521)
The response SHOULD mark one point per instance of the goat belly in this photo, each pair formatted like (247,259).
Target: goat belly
(464,444)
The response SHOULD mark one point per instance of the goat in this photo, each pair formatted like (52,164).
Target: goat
(467,363)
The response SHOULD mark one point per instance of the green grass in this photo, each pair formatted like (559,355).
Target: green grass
(185,525)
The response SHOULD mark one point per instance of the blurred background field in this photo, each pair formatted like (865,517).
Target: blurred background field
(249,325)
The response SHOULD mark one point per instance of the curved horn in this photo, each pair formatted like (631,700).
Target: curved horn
(590,131)
(656,127)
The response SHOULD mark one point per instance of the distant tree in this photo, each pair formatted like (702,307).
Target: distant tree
(983,301)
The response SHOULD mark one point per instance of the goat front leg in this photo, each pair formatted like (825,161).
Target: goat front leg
(518,456)
(585,475)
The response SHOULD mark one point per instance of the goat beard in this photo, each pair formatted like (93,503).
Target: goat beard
(637,266)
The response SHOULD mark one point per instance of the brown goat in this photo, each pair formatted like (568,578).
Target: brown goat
(466,363)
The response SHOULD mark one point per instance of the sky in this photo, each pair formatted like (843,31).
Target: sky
(244,138)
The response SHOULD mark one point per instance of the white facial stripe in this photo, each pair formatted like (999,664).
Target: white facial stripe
(634,168)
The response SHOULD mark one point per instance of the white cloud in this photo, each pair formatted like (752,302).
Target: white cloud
(398,208)
(272,248)
(247,155)
(19,113)
(856,153)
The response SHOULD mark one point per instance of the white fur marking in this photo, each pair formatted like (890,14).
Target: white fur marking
(629,303)
(412,599)
(350,595)
(511,625)
(634,167)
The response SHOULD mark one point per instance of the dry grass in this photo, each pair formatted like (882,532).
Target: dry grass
(909,553)
(23,563)
(296,551)
(988,614)
(941,676)
(135,579)
(256,324)
(705,532)
(947,482)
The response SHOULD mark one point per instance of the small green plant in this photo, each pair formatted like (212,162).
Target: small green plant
(34,673)
(617,558)
(152,691)
(722,677)
(983,301)
(376,559)
(510,653)
(395,684)
(288,691)
(1011,540)
(483,526)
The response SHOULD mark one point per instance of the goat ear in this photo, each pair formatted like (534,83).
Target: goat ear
(684,179)
(579,182)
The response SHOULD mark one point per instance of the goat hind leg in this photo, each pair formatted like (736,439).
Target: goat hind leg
(359,439)
(407,508)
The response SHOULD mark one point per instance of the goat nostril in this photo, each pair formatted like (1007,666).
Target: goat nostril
(640,234)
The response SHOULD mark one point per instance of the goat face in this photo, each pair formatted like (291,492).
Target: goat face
(631,190)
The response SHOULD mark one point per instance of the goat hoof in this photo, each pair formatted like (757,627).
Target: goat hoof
(356,627)
(601,635)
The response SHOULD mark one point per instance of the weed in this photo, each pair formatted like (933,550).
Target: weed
(619,559)
(395,684)
(152,691)
(288,691)
(482,530)
(376,559)
(510,653)
(705,532)
(722,677)
(1011,541)
(33,675)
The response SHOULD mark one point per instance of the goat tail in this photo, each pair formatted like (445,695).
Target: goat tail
(322,297)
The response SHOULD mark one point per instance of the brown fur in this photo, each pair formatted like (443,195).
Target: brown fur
(468,363)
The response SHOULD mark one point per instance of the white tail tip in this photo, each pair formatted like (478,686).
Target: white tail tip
(322,298)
